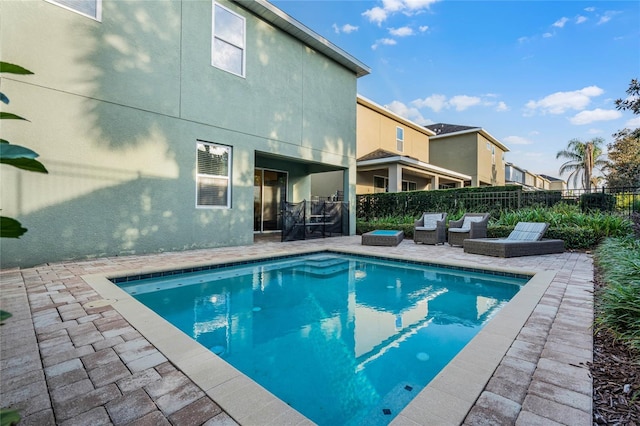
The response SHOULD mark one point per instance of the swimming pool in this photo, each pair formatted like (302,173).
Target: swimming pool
(370,332)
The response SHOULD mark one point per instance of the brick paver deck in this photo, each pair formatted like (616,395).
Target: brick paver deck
(68,357)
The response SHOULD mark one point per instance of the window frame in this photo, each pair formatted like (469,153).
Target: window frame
(385,181)
(408,184)
(400,140)
(97,18)
(243,48)
(228,177)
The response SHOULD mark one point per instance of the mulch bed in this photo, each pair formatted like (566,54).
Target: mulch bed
(616,378)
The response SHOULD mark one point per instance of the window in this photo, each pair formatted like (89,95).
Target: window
(227,47)
(380,184)
(400,139)
(90,8)
(488,146)
(213,175)
(409,186)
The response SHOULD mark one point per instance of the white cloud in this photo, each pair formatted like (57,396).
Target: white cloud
(560,102)
(608,15)
(423,28)
(547,35)
(502,107)
(438,102)
(401,32)
(378,15)
(383,41)
(346,28)
(462,102)
(517,140)
(590,9)
(598,114)
(580,19)
(633,123)
(560,22)
(435,102)
(407,112)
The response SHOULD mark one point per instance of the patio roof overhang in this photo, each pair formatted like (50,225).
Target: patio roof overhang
(411,163)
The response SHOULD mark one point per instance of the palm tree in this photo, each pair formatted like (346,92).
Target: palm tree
(583,158)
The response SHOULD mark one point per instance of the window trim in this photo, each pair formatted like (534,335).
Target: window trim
(97,18)
(244,39)
(385,181)
(400,141)
(206,175)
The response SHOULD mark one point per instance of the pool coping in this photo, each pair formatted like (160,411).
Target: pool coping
(447,398)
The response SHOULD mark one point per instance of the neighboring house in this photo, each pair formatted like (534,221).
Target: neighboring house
(555,183)
(167,125)
(514,175)
(470,150)
(393,154)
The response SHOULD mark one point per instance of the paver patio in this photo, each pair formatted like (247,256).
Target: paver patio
(68,357)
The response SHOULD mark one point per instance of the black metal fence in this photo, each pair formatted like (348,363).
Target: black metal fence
(620,200)
(314,219)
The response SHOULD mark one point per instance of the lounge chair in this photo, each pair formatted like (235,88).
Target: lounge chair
(430,229)
(471,225)
(525,240)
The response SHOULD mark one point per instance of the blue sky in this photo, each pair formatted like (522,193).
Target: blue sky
(534,74)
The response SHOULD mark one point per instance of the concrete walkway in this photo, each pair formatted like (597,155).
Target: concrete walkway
(68,357)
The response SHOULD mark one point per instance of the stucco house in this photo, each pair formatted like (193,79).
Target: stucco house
(556,184)
(470,150)
(515,175)
(167,125)
(394,155)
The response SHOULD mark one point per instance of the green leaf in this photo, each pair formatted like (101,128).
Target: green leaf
(9,417)
(10,116)
(4,141)
(25,164)
(13,68)
(8,151)
(10,228)
(4,315)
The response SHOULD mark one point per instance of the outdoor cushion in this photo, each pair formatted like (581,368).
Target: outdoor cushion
(466,224)
(528,231)
(430,222)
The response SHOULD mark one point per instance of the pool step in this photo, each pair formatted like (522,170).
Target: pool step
(323,267)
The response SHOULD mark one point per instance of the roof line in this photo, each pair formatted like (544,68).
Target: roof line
(474,130)
(386,111)
(287,23)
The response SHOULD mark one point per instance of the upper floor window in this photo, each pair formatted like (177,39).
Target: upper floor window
(400,139)
(90,8)
(213,175)
(228,44)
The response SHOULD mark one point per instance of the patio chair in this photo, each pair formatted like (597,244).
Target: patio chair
(430,229)
(471,225)
(525,240)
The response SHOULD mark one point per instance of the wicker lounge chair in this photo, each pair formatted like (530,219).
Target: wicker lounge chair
(525,240)
(430,229)
(471,225)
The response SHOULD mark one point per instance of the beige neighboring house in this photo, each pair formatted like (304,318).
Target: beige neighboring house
(393,154)
(555,184)
(470,150)
(515,175)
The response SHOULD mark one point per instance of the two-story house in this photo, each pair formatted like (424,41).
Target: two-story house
(393,154)
(470,150)
(167,125)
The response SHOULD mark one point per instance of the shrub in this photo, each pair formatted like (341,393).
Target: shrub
(619,303)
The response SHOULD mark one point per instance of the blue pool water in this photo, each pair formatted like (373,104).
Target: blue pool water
(345,340)
(383,232)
